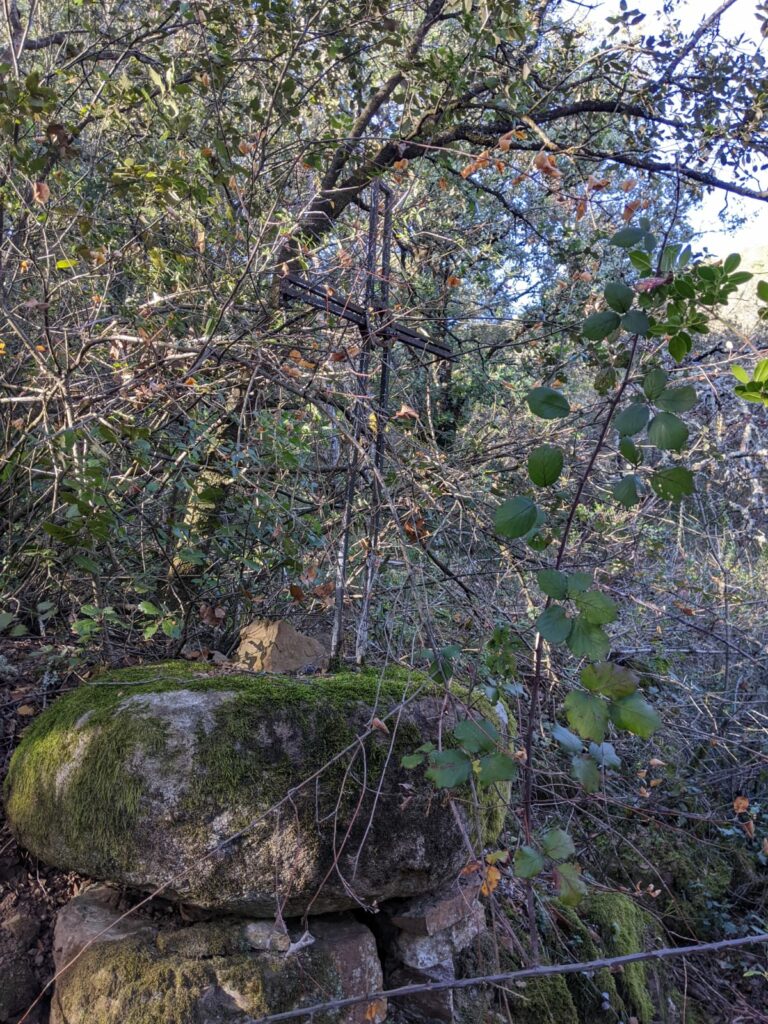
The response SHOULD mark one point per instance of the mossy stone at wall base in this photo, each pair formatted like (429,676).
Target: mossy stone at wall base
(144,777)
(204,973)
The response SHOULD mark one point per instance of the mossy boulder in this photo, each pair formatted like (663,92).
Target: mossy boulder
(204,973)
(144,777)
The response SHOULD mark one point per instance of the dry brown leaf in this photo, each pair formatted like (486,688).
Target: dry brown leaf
(406,412)
(40,192)
(741,804)
(297,593)
(491,880)
(25,710)
(377,723)
(656,762)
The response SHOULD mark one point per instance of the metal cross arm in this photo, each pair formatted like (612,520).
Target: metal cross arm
(294,287)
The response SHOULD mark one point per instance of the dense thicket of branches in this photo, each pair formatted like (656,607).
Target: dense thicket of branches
(177,441)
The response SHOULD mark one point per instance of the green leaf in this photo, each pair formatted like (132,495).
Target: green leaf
(641,261)
(731,262)
(677,399)
(557,844)
(567,740)
(545,464)
(585,771)
(150,630)
(630,451)
(625,491)
(587,640)
(654,383)
(553,583)
(587,714)
(578,581)
(618,296)
(528,862)
(636,715)
(547,403)
(741,278)
(412,760)
(679,347)
(66,264)
(632,419)
(627,237)
(605,755)
(571,887)
(762,290)
(609,679)
(497,767)
(515,517)
(554,625)
(83,562)
(761,371)
(600,325)
(667,432)
(148,608)
(636,322)
(672,483)
(596,607)
(6,618)
(448,768)
(476,736)
(738,371)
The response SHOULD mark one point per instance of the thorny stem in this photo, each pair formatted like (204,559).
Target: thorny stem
(535,698)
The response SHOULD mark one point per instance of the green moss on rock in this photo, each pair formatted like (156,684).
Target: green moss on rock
(131,982)
(121,780)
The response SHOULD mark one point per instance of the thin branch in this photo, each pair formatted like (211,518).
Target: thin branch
(544,971)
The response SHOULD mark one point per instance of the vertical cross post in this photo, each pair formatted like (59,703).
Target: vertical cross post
(360,386)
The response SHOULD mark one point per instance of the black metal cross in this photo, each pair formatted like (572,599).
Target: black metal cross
(376,324)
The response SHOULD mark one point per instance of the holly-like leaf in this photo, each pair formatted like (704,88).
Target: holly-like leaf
(578,582)
(585,771)
(605,755)
(632,419)
(587,714)
(672,483)
(515,517)
(596,607)
(677,399)
(528,862)
(636,715)
(553,583)
(554,625)
(547,403)
(497,767)
(667,432)
(476,736)
(557,844)
(636,322)
(448,768)
(545,464)
(571,887)
(587,640)
(654,383)
(609,680)
(625,491)
(627,237)
(618,296)
(567,740)
(630,451)
(600,325)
